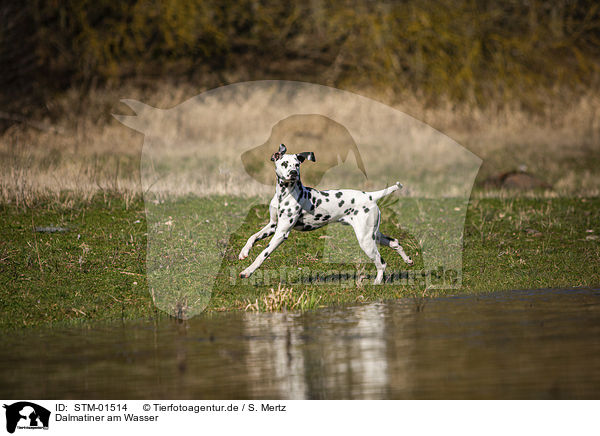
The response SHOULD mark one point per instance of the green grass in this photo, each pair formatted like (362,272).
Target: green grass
(97,270)
(94,271)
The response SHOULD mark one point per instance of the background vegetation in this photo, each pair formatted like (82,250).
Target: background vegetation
(465,50)
(516,82)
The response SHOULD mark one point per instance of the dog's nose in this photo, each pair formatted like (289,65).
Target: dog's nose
(293,173)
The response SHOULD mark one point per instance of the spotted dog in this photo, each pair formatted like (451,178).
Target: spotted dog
(299,207)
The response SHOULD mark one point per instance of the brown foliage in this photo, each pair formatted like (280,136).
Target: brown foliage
(465,50)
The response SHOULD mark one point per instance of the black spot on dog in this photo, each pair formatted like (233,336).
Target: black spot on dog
(326,194)
(355,212)
(267,254)
(318,202)
(341,203)
(366,209)
(291,220)
(352,201)
(273,225)
(307,227)
(370,198)
(326,217)
(286,203)
(318,216)
(284,164)
(338,195)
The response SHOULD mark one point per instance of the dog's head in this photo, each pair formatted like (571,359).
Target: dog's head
(287,166)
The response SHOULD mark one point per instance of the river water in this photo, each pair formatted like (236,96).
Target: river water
(542,344)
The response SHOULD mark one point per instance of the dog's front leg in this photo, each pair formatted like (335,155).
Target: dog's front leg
(280,235)
(266,231)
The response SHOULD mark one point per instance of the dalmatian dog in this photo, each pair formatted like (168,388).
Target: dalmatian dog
(299,207)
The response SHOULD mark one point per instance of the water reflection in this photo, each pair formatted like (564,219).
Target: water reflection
(347,358)
(538,344)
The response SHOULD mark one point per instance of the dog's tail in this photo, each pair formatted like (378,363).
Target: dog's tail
(376,195)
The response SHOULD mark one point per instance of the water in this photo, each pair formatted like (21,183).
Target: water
(520,344)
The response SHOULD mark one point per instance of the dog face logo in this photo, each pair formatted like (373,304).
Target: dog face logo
(326,138)
(26,415)
(209,162)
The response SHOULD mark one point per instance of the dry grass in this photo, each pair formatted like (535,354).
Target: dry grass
(283,299)
(89,152)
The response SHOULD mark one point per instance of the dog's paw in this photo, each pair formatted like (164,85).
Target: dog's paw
(245,274)
(409,262)
(243,255)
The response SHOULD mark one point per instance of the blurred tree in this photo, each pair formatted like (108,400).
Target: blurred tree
(462,49)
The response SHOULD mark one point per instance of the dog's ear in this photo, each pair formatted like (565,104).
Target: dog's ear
(306,155)
(281,152)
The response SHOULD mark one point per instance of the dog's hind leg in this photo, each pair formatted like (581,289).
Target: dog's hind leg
(393,243)
(366,239)
(266,231)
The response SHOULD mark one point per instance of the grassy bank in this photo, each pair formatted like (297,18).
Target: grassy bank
(96,269)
